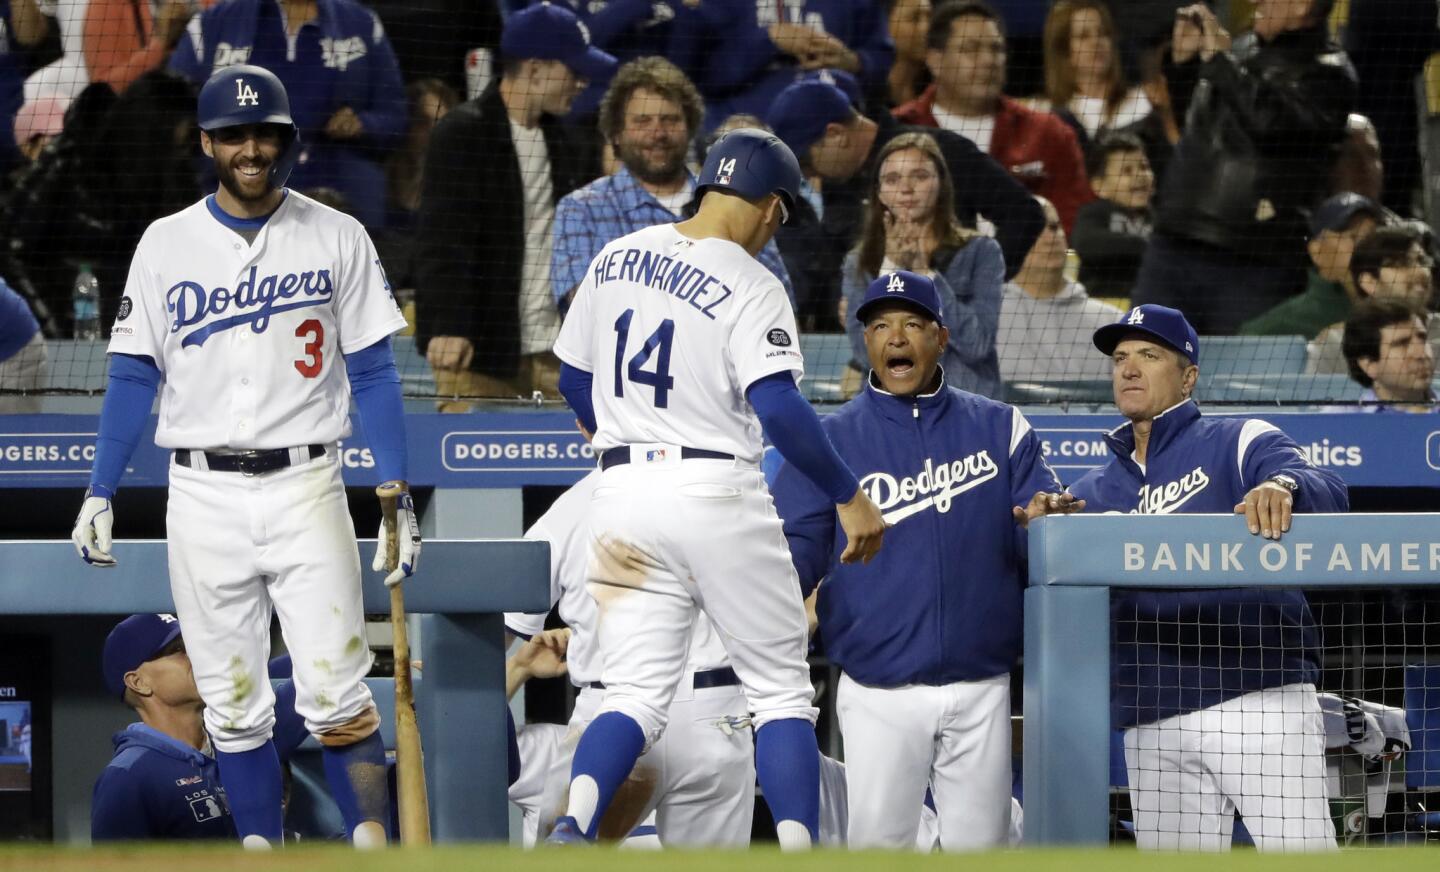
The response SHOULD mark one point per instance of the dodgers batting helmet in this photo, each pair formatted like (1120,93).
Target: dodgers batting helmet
(753,163)
(246,94)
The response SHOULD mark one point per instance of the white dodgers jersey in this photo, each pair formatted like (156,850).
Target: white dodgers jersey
(566,527)
(250,337)
(674,330)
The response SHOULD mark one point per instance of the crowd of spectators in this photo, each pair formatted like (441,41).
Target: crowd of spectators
(1049,160)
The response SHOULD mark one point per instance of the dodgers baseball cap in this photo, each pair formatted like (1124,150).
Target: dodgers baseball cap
(1161,322)
(554,33)
(800,113)
(903,286)
(133,641)
(1341,209)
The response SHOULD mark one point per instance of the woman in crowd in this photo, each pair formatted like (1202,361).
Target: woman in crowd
(1084,83)
(910,224)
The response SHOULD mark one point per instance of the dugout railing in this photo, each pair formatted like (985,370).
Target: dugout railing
(460,596)
(1075,564)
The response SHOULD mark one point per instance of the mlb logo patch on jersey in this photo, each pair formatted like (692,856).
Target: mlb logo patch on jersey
(206,808)
(725,171)
(655,455)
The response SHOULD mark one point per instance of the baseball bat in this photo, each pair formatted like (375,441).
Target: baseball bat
(409,756)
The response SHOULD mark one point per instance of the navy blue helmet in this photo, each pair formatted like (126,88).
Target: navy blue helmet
(246,94)
(753,163)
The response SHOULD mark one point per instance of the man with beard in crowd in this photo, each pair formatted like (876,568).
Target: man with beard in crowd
(649,115)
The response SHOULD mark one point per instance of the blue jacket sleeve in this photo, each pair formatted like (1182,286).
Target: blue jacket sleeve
(1320,489)
(794,429)
(183,58)
(118,811)
(385,117)
(874,46)
(375,385)
(129,394)
(809,518)
(575,385)
(614,18)
(971,289)
(1029,472)
(743,51)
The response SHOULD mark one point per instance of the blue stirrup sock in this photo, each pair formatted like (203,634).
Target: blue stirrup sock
(356,774)
(787,762)
(254,791)
(603,760)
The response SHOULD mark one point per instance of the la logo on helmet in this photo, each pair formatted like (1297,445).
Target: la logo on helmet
(896,284)
(244,94)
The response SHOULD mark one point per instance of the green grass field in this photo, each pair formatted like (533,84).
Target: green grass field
(476,859)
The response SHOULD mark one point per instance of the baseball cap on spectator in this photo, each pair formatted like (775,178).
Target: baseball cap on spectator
(841,79)
(1162,322)
(44,116)
(553,33)
(1338,211)
(902,286)
(800,113)
(135,640)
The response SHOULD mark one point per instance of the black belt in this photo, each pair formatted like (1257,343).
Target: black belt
(723,677)
(621,456)
(246,462)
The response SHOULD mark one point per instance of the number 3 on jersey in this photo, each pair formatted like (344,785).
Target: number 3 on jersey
(310,365)
(660,379)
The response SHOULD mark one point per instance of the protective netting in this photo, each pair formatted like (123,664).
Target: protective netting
(1253,715)
(1264,171)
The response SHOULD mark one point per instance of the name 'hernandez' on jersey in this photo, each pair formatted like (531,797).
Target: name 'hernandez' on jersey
(250,338)
(674,329)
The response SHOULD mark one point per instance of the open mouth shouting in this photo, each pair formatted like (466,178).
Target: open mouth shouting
(899,364)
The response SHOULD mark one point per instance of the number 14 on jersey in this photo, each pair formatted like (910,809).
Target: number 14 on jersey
(660,341)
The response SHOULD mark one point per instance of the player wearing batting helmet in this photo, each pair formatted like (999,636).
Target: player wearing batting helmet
(927,633)
(1215,688)
(681,518)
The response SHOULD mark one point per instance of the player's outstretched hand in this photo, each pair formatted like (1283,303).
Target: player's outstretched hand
(398,552)
(544,655)
(1046,503)
(864,528)
(1267,509)
(92,532)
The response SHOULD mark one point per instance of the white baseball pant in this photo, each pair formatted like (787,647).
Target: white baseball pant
(1262,753)
(702,769)
(954,738)
(240,545)
(668,538)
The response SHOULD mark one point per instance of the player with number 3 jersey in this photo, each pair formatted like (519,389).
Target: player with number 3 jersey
(262,312)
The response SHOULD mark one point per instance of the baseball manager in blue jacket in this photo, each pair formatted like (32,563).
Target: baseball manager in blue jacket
(927,632)
(1215,688)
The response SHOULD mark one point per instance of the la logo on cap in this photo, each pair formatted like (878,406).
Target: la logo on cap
(896,284)
(1136,316)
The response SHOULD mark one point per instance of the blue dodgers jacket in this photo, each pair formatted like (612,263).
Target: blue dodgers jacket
(157,787)
(1181,651)
(941,602)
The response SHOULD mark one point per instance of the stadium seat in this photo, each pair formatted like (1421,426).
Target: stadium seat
(827,356)
(1227,356)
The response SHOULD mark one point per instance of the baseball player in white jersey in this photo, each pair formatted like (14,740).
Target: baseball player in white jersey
(700,776)
(679,348)
(255,307)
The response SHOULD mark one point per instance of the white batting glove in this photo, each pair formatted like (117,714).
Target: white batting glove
(92,531)
(407,540)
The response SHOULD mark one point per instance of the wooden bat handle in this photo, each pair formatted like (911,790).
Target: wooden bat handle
(409,756)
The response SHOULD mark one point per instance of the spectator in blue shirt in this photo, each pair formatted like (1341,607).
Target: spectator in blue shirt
(1387,348)
(742,53)
(346,95)
(650,114)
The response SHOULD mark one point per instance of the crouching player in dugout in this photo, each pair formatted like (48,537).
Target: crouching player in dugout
(1215,688)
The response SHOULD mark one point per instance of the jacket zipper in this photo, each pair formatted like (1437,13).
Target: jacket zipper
(936,537)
